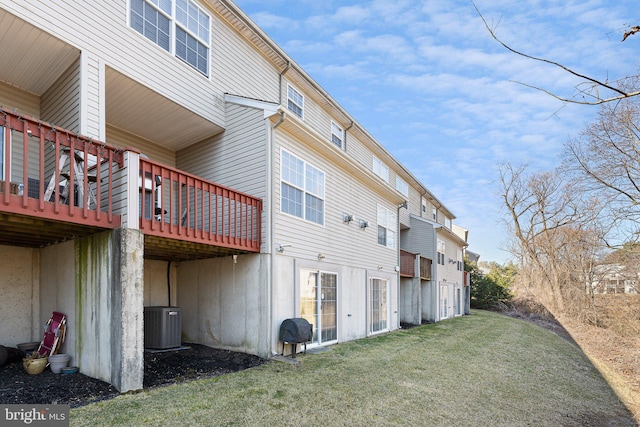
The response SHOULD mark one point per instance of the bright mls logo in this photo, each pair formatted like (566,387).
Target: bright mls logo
(34,415)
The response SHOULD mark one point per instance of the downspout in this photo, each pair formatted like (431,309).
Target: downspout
(397,264)
(270,220)
(282,73)
(434,273)
(345,135)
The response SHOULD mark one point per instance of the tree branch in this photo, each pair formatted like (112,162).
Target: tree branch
(597,83)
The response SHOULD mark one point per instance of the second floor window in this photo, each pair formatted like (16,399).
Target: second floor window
(380,169)
(402,186)
(387,225)
(441,252)
(178,26)
(337,135)
(295,102)
(302,189)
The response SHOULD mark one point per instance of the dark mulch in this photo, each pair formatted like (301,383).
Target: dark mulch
(161,368)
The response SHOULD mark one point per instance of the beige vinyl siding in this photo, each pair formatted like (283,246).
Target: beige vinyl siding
(60,104)
(13,98)
(123,49)
(335,239)
(449,271)
(314,115)
(93,110)
(237,68)
(236,158)
(122,139)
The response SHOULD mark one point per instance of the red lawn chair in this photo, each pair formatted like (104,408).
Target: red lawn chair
(54,333)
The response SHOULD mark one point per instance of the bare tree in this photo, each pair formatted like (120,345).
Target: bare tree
(555,236)
(605,160)
(590,91)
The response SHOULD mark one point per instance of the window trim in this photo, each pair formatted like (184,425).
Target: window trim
(174,25)
(305,191)
(290,101)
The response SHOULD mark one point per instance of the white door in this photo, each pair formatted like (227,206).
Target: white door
(318,304)
(378,305)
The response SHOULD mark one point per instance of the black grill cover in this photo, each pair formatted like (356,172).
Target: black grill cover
(296,330)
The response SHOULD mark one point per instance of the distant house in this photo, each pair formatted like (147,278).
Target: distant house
(614,279)
(169,154)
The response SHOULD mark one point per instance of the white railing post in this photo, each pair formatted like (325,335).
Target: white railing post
(130,212)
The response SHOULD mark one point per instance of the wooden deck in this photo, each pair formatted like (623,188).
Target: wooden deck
(62,186)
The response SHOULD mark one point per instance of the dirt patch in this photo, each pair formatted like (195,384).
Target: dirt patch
(163,368)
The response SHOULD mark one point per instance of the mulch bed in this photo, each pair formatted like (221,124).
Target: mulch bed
(161,368)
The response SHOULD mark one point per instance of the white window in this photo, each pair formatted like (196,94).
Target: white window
(302,189)
(460,262)
(387,224)
(337,134)
(447,223)
(434,214)
(179,21)
(380,169)
(441,251)
(402,186)
(295,102)
(378,306)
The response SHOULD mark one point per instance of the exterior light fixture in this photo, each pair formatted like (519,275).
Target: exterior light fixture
(363,224)
(280,247)
(347,218)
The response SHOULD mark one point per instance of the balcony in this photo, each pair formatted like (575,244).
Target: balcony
(407,265)
(58,186)
(407,262)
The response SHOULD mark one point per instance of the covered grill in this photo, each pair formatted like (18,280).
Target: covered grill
(294,331)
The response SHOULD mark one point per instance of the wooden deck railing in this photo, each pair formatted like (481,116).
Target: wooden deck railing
(56,174)
(183,206)
(51,173)
(407,262)
(425,268)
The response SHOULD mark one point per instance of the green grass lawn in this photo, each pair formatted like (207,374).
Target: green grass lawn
(485,369)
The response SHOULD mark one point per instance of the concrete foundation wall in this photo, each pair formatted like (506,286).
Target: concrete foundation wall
(19,287)
(225,304)
(92,323)
(410,303)
(57,292)
(429,301)
(156,286)
(352,304)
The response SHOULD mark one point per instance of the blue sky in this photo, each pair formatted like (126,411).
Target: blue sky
(426,79)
